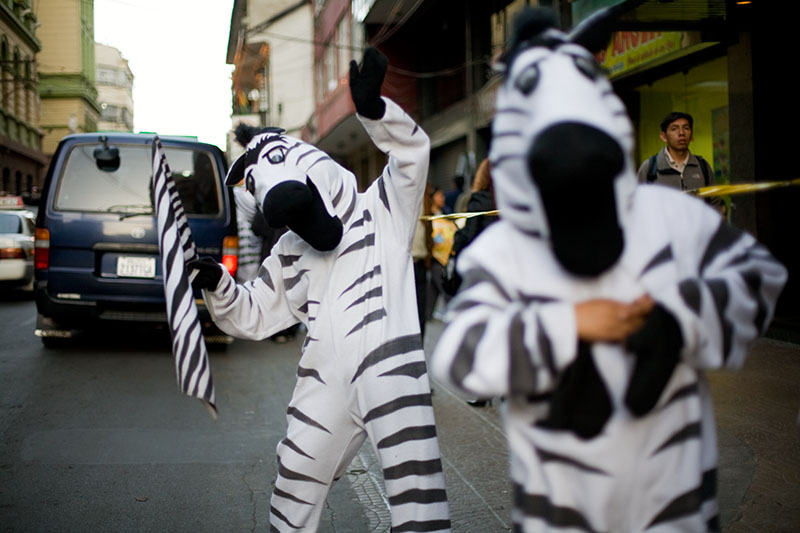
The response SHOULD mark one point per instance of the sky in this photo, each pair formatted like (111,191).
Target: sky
(176,50)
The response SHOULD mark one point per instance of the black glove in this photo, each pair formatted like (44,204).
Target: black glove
(657,346)
(365,85)
(209,272)
(581,403)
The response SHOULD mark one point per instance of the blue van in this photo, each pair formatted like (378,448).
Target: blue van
(96,248)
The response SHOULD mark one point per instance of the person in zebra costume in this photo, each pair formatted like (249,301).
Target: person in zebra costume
(344,269)
(595,306)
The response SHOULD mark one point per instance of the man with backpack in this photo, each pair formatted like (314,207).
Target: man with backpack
(674,165)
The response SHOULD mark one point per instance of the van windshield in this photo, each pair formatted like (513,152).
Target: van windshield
(84,187)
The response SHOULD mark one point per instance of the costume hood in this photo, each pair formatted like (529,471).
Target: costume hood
(562,145)
(295,185)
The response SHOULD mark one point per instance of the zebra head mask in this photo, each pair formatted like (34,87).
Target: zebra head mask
(295,185)
(562,142)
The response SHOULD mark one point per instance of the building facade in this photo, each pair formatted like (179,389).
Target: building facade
(66,70)
(720,60)
(271,48)
(114,89)
(440,55)
(21,158)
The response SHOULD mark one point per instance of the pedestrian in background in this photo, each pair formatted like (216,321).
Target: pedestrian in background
(421,253)
(443,231)
(452,195)
(481,199)
(674,165)
(249,243)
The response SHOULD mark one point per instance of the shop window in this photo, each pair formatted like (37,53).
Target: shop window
(701,91)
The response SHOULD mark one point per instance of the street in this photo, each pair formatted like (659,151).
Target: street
(97,437)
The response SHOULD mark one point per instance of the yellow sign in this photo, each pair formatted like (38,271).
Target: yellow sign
(632,49)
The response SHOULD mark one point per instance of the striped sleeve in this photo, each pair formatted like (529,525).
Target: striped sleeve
(727,295)
(494,346)
(402,183)
(255,309)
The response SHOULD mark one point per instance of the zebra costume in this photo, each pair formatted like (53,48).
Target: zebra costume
(604,436)
(249,242)
(345,271)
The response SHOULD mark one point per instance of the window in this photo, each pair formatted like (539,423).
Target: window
(343,45)
(502,24)
(330,68)
(84,187)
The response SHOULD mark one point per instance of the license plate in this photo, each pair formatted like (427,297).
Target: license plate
(136,267)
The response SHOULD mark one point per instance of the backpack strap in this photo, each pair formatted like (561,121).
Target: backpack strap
(652,171)
(705,168)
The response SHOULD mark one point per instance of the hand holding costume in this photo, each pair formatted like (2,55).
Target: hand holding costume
(657,347)
(209,272)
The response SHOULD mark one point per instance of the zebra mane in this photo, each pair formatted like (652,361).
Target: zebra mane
(244,133)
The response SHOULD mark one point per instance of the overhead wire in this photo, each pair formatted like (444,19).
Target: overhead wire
(404,72)
(392,13)
(388,33)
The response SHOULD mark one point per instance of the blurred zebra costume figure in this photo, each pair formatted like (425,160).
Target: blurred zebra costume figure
(344,269)
(608,431)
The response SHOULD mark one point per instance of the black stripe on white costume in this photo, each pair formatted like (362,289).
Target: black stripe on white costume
(176,246)
(357,302)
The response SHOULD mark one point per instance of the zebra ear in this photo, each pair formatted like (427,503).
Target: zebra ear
(529,24)
(244,133)
(595,32)
(236,172)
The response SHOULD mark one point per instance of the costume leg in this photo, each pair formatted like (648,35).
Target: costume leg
(321,439)
(396,405)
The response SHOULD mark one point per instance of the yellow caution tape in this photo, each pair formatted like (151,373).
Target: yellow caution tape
(705,192)
(456,216)
(741,188)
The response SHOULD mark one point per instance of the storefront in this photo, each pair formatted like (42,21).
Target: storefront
(724,63)
(660,72)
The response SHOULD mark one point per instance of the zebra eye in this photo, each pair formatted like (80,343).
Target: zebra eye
(250,183)
(276,155)
(587,67)
(527,80)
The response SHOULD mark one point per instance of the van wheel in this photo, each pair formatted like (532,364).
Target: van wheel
(215,347)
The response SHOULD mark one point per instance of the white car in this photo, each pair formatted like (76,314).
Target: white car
(17,228)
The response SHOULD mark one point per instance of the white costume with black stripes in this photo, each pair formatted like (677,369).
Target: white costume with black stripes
(512,329)
(362,371)
(249,242)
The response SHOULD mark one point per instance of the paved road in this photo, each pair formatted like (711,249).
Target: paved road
(97,438)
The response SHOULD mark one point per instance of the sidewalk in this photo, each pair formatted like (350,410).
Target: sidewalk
(759,437)
(759,447)
(759,440)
